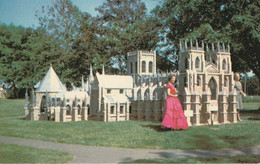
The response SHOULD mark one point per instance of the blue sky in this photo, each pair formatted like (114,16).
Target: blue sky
(22,12)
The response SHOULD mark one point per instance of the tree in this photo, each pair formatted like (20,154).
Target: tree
(10,54)
(89,49)
(25,56)
(127,27)
(235,22)
(62,21)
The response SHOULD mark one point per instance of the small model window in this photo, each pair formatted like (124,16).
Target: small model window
(112,110)
(130,109)
(121,91)
(197,65)
(121,109)
(143,66)
(108,91)
(150,67)
(224,65)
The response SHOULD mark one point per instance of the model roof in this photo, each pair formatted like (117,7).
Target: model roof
(51,83)
(115,81)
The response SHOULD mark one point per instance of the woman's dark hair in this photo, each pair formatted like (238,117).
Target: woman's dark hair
(170,76)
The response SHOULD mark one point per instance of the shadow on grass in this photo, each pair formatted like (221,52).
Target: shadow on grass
(254,114)
(157,128)
(232,140)
(205,142)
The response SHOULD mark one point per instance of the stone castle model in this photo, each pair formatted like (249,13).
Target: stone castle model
(204,84)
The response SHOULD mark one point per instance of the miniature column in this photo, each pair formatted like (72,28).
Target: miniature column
(26,106)
(108,111)
(105,111)
(56,111)
(222,105)
(84,114)
(196,108)
(75,114)
(232,113)
(127,111)
(63,114)
(187,106)
(117,111)
(57,114)
(206,114)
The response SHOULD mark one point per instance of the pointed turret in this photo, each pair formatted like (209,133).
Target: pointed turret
(82,84)
(103,70)
(51,82)
(91,77)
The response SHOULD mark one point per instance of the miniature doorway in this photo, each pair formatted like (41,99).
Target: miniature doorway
(213,88)
(43,104)
(212,85)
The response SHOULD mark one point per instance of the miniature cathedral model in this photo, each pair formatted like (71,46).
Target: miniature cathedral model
(204,79)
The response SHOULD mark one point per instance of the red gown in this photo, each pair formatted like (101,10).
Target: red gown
(174,116)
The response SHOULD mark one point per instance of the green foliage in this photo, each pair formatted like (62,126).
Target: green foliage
(251,83)
(127,27)
(10,153)
(25,55)
(227,21)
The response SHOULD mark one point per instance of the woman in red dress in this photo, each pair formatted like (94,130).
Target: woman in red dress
(174,117)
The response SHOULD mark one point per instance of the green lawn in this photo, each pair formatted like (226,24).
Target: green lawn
(11,108)
(235,159)
(137,134)
(10,153)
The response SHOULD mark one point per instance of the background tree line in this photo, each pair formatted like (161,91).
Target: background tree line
(72,40)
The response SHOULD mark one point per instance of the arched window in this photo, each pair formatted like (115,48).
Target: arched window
(224,64)
(150,67)
(213,88)
(143,66)
(197,62)
(139,95)
(186,63)
(43,103)
(185,82)
(147,95)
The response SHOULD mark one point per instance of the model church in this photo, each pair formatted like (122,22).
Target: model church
(205,88)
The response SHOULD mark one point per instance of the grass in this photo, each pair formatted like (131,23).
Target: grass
(251,99)
(126,134)
(251,103)
(235,159)
(11,108)
(10,153)
(136,134)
